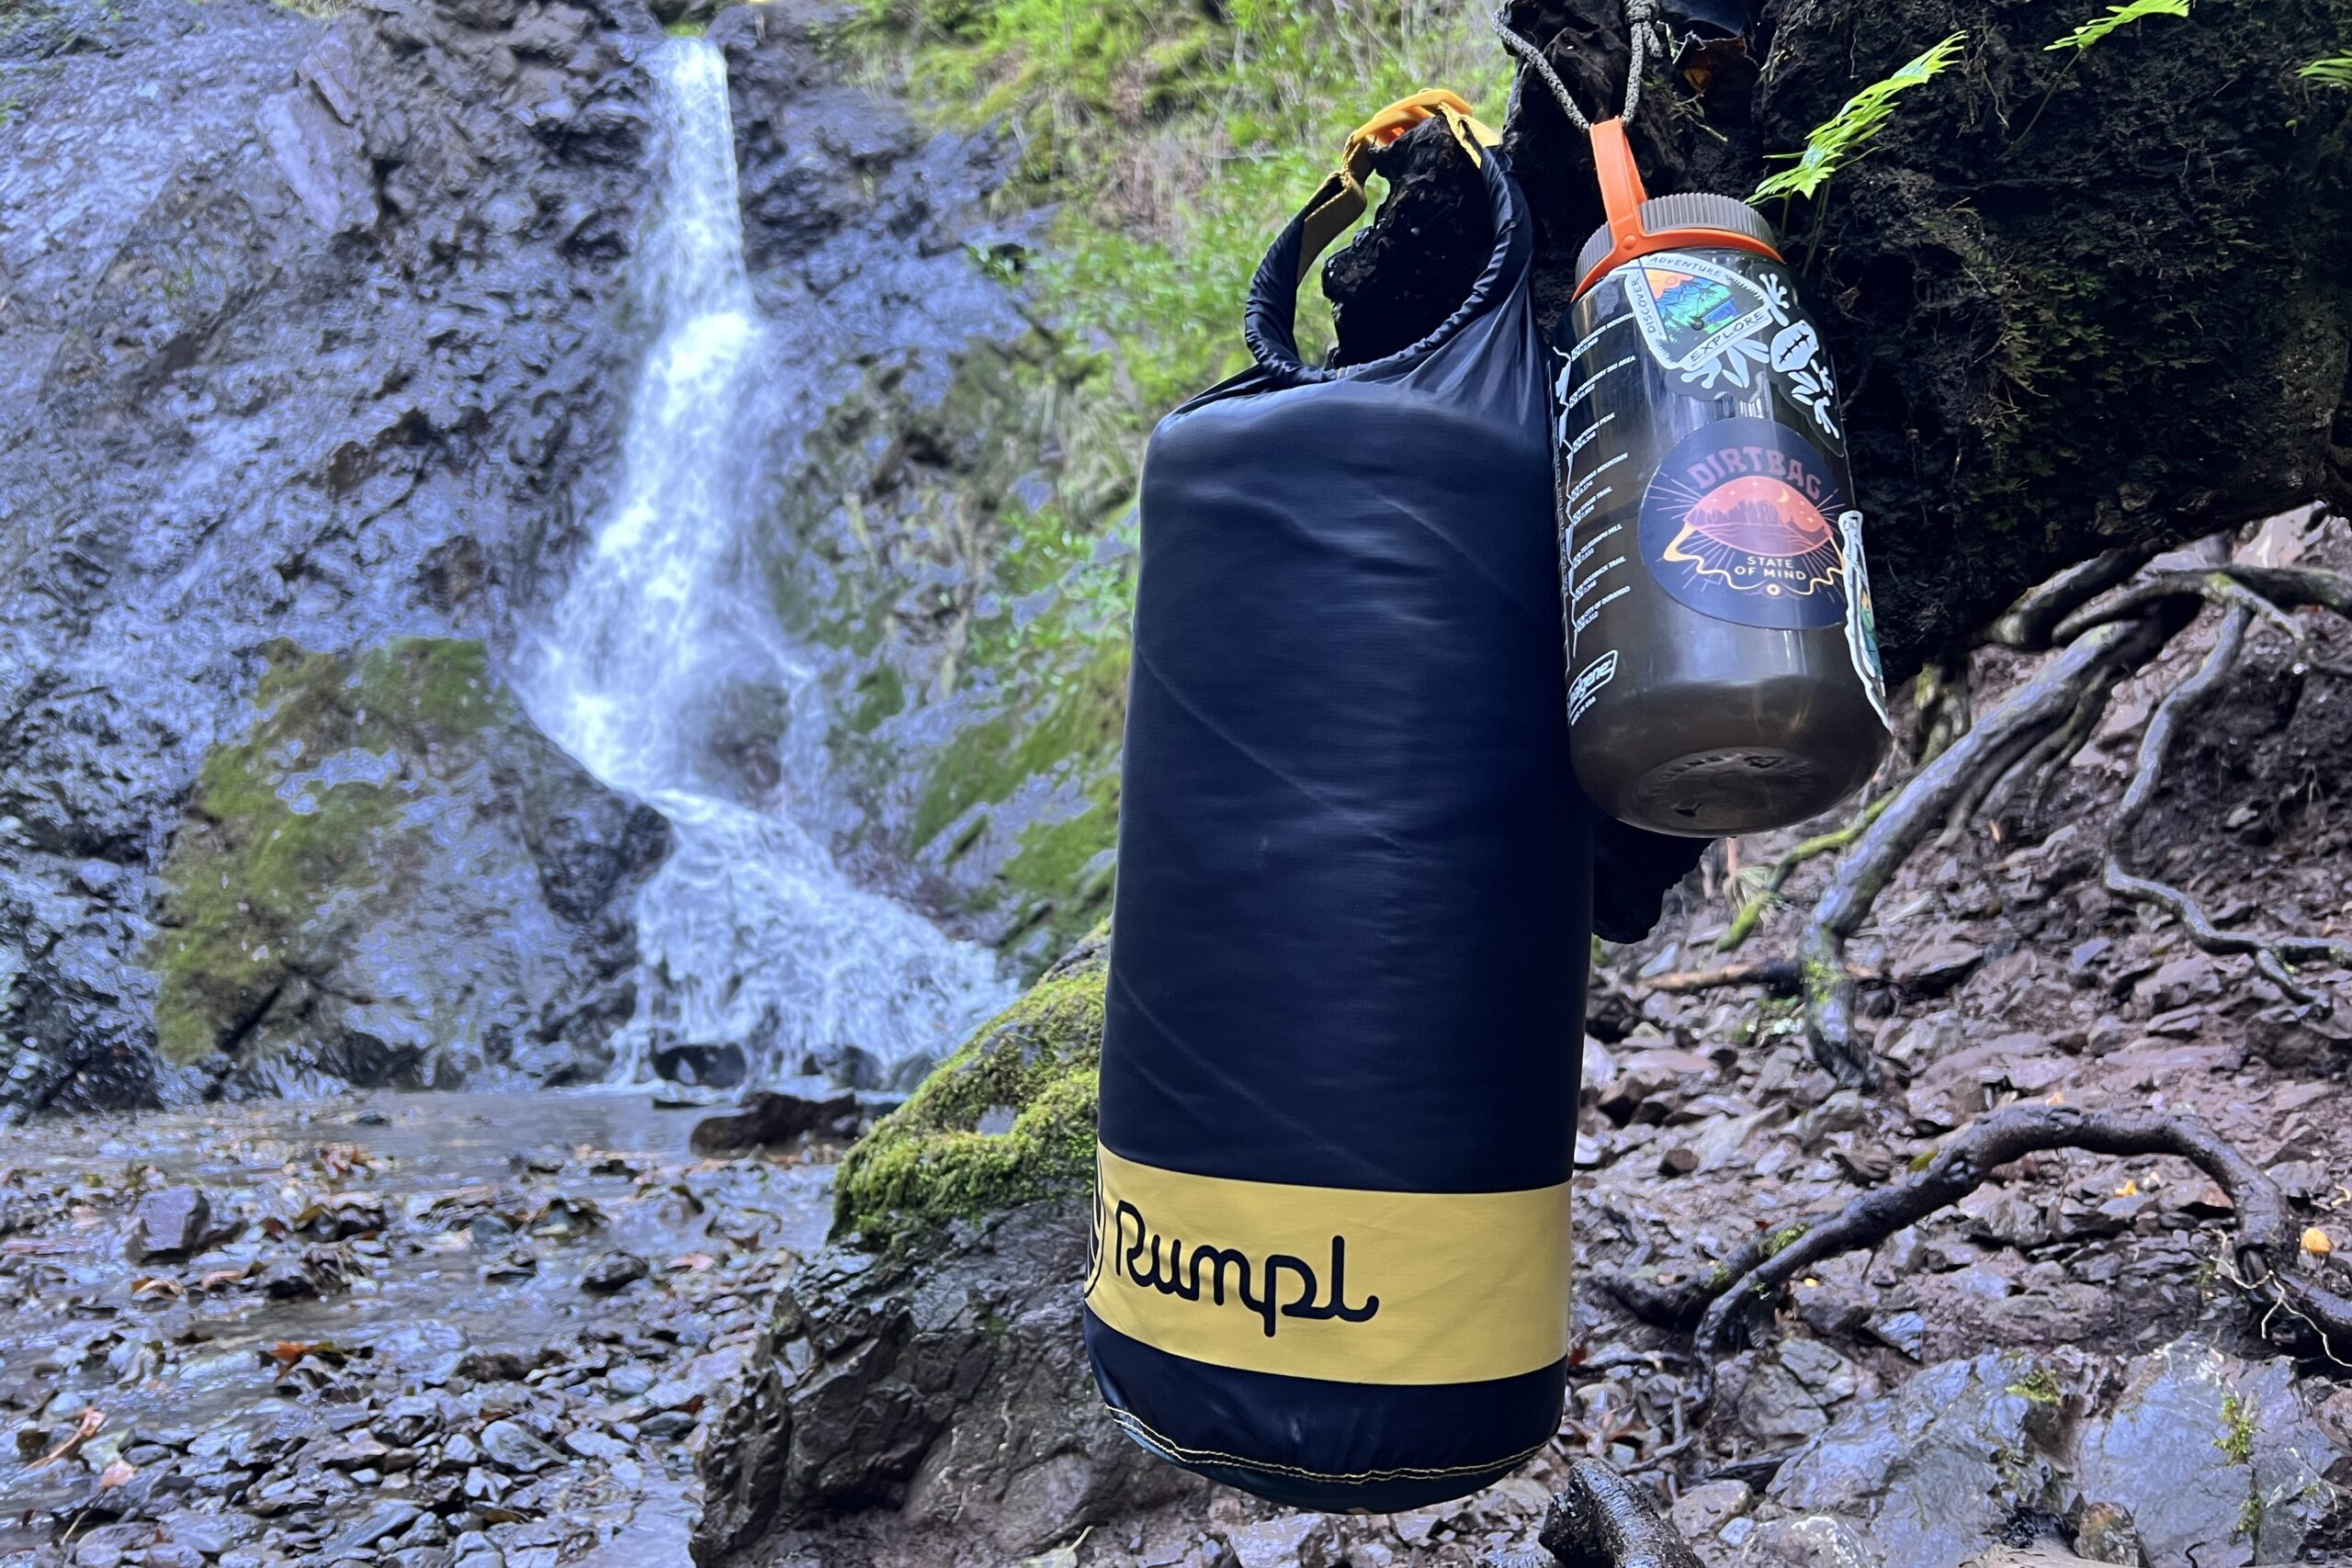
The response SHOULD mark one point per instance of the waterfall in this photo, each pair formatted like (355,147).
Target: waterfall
(749,934)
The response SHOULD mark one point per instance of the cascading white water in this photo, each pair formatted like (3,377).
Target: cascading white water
(749,934)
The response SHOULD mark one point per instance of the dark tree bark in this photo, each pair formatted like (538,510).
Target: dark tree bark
(2079,304)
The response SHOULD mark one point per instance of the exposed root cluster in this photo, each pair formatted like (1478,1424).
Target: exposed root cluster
(2296,1305)
(2105,624)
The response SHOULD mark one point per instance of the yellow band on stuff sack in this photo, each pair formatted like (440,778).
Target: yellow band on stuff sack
(1329,1282)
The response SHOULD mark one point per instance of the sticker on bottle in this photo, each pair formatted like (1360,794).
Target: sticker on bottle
(1704,322)
(1861,619)
(1735,524)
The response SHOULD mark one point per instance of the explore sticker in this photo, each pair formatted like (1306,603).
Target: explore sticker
(1735,524)
(1704,321)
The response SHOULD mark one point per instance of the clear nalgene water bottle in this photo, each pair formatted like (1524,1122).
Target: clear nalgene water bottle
(1724,671)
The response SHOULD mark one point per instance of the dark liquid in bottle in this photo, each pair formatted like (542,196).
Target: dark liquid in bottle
(1725,675)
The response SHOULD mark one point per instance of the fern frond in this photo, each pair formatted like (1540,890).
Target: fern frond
(2335,71)
(2090,32)
(1847,134)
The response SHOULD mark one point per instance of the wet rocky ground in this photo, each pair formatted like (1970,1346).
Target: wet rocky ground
(423,1331)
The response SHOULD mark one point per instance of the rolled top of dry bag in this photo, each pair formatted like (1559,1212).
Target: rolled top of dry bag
(1725,659)
(1339,1067)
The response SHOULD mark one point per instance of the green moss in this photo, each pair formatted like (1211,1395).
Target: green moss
(2040,1387)
(881,696)
(1032,1071)
(2237,1440)
(1079,723)
(297,814)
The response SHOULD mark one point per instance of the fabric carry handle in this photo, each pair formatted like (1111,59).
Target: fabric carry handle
(1269,315)
(1342,199)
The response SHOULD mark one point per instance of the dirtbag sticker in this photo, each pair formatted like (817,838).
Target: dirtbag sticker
(1735,524)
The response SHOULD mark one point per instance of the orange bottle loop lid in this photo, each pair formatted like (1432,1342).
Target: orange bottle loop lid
(1626,202)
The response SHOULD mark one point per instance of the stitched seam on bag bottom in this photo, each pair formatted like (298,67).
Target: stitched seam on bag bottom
(1211,1456)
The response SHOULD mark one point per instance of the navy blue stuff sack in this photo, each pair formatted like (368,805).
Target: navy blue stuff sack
(1331,1252)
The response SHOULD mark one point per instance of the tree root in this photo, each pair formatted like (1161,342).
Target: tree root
(2271,957)
(1946,705)
(2033,624)
(1752,912)
(2087,671)
(2291,587)
(2268,1238)
(1600,1522)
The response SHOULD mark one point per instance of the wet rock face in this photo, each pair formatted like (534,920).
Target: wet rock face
(309,335)
(938,1411)
(918,532)
(395,880)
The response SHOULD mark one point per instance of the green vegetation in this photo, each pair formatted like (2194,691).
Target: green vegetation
(285,823)
(2039,1387)
(2236,1441)
(1847,134)
(2335,71)
(2092,31)
(1179,146)
(1173,143)
(1007,1119)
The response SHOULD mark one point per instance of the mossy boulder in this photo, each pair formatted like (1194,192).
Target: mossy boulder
(394,879)
(1008,1119)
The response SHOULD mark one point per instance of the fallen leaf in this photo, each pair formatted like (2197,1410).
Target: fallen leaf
(2318,1243)
(117,1474)
(88,1424)
(693,1263)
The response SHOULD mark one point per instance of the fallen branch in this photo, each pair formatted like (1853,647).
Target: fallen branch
(1782,977)
(88,1424)
(2272,957)
(2089,668)
(1598,1521)
(2266,1237)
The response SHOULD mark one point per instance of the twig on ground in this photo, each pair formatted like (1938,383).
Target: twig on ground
(2092,665)
(2268,1239)
(2272,957)
(1782,977)
(1598,1521)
